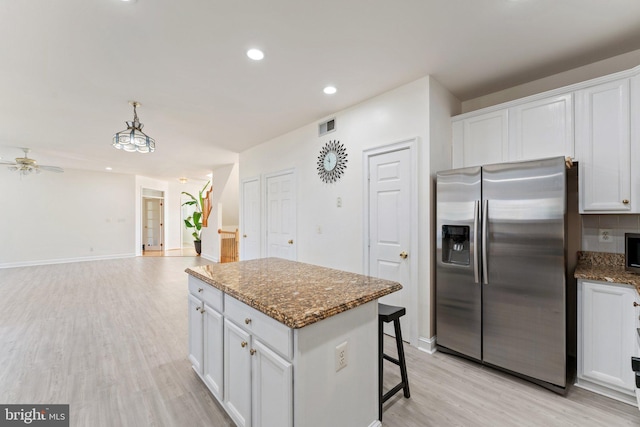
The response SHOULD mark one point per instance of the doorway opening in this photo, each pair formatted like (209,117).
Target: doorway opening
(152,220)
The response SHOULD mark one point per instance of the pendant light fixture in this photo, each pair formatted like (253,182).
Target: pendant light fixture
(132,138)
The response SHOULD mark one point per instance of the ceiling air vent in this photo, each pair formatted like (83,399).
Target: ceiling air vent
(326,127)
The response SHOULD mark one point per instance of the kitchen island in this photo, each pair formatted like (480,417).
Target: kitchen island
(283,343)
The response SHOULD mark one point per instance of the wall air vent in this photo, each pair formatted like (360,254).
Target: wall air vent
(326,127)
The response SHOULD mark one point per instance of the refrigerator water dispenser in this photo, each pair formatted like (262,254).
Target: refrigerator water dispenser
(455,244)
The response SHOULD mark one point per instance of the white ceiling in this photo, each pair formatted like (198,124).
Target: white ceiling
(69,67)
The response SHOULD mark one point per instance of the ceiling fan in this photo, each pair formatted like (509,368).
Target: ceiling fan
(26,166)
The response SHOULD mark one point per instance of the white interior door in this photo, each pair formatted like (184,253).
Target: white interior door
(281,216)
(250,220)
(390,208)
(152,221)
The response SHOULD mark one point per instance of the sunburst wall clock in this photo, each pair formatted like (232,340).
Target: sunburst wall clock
(332,161)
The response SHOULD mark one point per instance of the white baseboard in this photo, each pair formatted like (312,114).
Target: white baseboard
(376,423)
(625,397)
(209,257)
(428,345)
(64,260)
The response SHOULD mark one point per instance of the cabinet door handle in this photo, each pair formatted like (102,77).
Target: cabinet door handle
(247,321)
(404,255)
(635,304)
(200,289)
(290,242)
(252,351)
(243,344)
(197,308)
(625,201)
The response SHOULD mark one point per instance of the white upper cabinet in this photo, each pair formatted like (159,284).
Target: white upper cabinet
(526,131)
(542,128)
(481,139)
(604,147)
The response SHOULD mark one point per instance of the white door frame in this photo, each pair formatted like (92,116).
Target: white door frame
(241,224)
(163,214)
(264,249)
(412,146)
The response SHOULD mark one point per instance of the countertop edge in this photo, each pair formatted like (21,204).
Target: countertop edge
(284,319)
(606,268)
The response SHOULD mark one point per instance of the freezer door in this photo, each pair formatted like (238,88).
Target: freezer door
(524,292)
(458,288)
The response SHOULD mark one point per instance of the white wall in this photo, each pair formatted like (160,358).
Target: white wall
(397,115)
(76,215)
(224,212)
(442,105)
(597,69)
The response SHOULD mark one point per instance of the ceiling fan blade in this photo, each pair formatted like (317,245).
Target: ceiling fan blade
(51,168)
(4,162)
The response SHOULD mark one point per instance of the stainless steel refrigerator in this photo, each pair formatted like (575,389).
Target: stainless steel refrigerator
(500,271)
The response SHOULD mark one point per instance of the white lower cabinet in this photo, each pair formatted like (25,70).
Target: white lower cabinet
(206,334)
(196,328)
(271,388)
(258,382)
(213,362)
(607,338)
(237,373)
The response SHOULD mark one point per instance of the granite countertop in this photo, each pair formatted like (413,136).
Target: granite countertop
(291,292)
(605,267)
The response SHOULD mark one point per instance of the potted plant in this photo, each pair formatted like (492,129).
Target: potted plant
(195,221)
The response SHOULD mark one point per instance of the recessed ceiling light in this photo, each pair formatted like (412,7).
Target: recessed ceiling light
(109,167)
(330,90)
(129,1)
(182,180)
(255,54)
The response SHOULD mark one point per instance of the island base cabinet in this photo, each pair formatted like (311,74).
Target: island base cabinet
(324,394)
(258,382)
(272,388)
(266,374)
(237,373)
(196,328)
(607,339)
(205,341)
(213,337)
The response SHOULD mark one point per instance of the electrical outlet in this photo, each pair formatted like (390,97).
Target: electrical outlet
(341,356)
(605,235)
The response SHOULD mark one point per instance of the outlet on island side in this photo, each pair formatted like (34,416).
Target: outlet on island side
(341,356)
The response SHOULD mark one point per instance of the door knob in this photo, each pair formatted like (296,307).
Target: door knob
(404,255)
(244,235)
(290,242)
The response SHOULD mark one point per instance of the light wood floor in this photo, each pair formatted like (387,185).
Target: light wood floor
(184,251)
(110,339)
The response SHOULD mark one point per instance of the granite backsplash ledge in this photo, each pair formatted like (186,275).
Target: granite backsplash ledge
(601,258)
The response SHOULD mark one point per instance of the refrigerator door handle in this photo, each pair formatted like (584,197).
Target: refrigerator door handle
(485,238)
(476,249)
